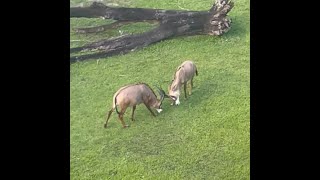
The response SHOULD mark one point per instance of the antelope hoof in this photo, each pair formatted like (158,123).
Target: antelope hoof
(125,126)
(132,119)
(105,126)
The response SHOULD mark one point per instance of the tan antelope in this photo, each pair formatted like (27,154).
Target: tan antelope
(184,74)
(133,95)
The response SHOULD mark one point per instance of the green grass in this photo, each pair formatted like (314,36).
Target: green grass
(205,137)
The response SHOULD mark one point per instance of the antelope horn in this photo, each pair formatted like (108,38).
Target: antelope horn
(161,92)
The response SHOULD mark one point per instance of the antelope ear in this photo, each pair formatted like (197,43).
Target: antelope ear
(174,88)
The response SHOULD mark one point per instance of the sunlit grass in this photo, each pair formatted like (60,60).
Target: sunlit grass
(205,137)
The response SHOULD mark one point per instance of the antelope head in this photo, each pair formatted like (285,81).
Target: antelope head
(162,96)
(174,90)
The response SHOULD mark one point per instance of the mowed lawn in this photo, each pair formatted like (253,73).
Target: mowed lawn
(206,137)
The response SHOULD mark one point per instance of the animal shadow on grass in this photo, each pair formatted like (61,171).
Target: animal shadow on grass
(206,88)
(202,91)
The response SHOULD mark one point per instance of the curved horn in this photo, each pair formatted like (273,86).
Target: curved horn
(161,92)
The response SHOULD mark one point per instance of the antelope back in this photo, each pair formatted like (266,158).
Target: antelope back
(186,72)
(130,95)
(135,95)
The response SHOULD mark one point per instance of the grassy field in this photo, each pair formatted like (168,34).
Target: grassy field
(206,137)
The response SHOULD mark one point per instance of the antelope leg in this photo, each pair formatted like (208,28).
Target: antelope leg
(133,109)
(150,110)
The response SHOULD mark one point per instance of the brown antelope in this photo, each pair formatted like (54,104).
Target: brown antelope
(133,95)
(184,73)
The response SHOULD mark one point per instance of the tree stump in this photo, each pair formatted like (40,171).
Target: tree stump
(171,23)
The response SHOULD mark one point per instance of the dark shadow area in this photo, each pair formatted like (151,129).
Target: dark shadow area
(237,27)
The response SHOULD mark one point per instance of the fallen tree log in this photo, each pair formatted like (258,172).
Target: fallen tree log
(171,23)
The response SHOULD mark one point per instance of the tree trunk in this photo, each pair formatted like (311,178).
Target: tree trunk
(171,23)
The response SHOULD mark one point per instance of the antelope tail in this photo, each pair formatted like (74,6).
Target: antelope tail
(115,104)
